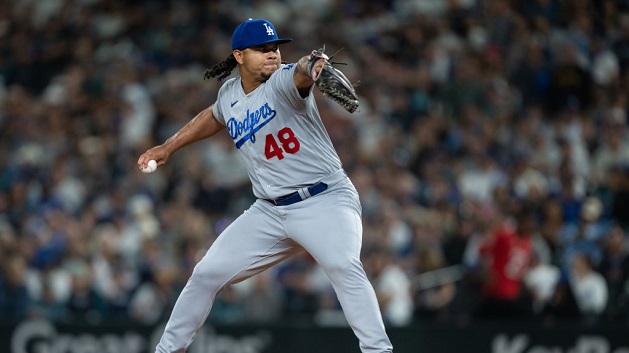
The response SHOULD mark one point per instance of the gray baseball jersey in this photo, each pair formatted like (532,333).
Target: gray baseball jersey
(285,146)
(286,149)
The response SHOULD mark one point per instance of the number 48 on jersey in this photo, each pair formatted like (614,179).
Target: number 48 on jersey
(287,140)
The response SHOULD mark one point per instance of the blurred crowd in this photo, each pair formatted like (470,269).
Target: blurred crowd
(491,154)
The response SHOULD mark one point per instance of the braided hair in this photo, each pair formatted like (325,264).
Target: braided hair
(222,69)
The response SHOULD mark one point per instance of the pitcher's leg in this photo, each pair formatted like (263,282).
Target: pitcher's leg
(252,243)
(330,229)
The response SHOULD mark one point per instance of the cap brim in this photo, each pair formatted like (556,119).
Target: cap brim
(277,41)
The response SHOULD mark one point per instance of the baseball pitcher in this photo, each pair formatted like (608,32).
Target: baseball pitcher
(304,198)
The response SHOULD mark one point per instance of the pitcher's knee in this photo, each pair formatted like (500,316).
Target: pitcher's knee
(208,277)
(344,268)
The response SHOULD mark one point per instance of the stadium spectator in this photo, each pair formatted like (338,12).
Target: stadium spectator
(15,300)
(588,286)
(540,281)
(506,258)
(615,269)
(392,286)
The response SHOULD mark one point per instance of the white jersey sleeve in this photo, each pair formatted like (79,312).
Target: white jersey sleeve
(216,110)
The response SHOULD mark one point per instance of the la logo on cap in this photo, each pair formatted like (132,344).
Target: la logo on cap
(269,29)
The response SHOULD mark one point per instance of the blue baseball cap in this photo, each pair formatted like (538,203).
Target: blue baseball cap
(252,33)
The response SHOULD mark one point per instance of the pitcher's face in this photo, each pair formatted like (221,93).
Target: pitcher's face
(260,61)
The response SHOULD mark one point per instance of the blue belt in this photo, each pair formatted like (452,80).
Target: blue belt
(297,196)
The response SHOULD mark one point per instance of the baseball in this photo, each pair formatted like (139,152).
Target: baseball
(151,167)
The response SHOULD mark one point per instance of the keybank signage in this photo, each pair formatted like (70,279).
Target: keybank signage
(40,336)
(522,343)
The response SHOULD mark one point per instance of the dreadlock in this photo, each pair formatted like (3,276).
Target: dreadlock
(224,68)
